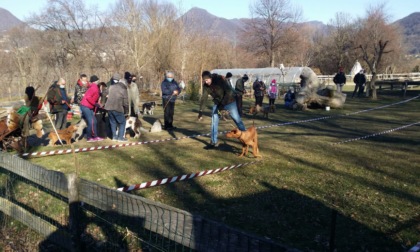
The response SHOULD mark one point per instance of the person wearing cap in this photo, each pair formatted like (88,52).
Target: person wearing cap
(340,80)
(223,98)
(228,78)
(59,103)
(360,81)
(240,91)
(80,89)
(117,106)
(89,105)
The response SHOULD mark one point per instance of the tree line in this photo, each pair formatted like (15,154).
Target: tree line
(148,37)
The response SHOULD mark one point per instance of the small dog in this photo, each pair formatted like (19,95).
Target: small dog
(78,135)
(65,135)
(156,127)
(149,107)
(247,138)
(265,111)
(272,108)
(135,125)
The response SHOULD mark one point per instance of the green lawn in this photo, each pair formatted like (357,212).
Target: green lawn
(372,183)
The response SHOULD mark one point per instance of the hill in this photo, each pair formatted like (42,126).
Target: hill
(8,20)
(411,26)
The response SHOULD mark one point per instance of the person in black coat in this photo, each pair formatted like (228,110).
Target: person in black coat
(340,80)
(360,81)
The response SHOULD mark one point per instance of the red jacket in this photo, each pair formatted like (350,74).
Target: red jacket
(91,96)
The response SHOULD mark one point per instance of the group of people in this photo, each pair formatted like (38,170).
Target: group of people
(119,98)
(359,81)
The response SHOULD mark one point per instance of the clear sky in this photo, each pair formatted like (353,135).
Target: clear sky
(320,10)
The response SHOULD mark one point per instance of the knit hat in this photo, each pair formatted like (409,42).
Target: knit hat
(245,77)
(127,75)
(116,76)
(228,75)
(206,75)
(273,81)
(93,78)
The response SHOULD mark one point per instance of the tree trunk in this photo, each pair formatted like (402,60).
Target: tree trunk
(373,87)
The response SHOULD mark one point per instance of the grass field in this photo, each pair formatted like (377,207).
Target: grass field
(372,183)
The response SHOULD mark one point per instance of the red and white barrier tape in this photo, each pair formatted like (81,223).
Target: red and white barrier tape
(376,134)
(68,151)
(181,178)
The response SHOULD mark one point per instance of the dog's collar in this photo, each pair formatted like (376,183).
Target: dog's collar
(240,135)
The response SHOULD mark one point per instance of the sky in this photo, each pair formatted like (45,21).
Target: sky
(319,10)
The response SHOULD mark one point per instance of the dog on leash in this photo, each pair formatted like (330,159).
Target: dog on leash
(64,134)
(247,138)
(149,107)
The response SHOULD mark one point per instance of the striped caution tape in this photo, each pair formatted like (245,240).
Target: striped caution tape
(68,151)
(113,146)
(181,178)
(376,134)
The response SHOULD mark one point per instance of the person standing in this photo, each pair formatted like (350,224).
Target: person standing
(82,86)
(240,91)
(259,88)
(117,106)
(88,105)
(133,96)
(228,78)
(340,80)
(272,92)
(170,91)
(59,103)
(223,98)
(360,81)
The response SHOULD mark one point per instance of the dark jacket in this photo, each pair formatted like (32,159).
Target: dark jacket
(79,91)
(117,98)
(220,90)
(340,78)
(168,89)
(359,79)
(55,99)
(240,86)
(259,88)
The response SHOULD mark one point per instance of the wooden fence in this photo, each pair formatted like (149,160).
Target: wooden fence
(78,214)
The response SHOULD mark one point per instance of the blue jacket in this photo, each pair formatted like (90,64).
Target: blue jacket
(168,89)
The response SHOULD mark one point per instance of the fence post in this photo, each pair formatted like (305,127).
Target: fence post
(74,215)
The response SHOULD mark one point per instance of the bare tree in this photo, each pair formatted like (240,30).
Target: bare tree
(374,40)
(267,31)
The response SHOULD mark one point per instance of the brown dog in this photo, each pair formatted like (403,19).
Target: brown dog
(65,135)
(272,108)
(247,138)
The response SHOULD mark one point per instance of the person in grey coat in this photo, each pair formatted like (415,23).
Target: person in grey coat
(117,107)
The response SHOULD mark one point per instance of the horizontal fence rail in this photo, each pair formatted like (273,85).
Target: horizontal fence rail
(124,221)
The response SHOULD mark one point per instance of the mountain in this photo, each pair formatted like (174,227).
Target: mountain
(8,20)
(411,26)
(199,20)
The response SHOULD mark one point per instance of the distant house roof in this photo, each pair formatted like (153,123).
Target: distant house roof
(288,75)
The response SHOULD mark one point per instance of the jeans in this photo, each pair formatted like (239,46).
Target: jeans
(91,122)
(117,119)
(233,110)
